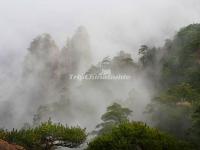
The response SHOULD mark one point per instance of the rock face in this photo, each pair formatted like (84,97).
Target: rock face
(45,78)
(76,54)
(6,146)
(42,57)
(40,71)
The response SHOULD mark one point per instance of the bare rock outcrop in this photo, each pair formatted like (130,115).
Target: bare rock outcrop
(6,146)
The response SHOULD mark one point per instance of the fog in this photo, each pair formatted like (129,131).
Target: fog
(112,26)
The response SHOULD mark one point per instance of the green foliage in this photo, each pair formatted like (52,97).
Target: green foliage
(175,108)
(136,136)
(188,37)
(120,64)
(44,136)
(196,119)
(183,92)
(181,61)
(114,115)
(172,109)
(123,64)
(171,118)
(147,56)
(93,70)
(194,133)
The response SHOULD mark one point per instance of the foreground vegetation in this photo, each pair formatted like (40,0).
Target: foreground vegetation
(116,132)
(45,136)
(136,136)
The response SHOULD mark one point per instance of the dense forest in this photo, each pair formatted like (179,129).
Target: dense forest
(170,118)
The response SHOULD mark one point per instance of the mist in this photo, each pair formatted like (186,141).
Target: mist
(31,79)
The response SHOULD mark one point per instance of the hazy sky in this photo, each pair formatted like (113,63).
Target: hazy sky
(113,25)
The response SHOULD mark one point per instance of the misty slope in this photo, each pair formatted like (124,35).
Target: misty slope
(45,90)
(175,107)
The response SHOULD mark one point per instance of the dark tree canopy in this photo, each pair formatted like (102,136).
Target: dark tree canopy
(114,115)
(136,136)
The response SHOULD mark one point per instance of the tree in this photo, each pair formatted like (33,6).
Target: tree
(143,49)
(45,136)
(180,62)
(195,130)
(136,136)
(148,56)
(182,92)
(114,115)
(123,64)
(172,109)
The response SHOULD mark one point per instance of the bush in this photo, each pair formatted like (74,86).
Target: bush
(136,136)
(45,135)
